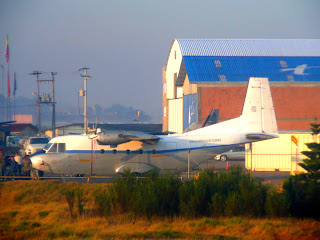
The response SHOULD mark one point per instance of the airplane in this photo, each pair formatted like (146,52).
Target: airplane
(107,153)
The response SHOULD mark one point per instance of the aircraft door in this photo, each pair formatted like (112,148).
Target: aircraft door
(169,159)
(72,158)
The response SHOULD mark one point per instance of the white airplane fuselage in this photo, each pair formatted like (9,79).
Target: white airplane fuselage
(80,154)
(85,156)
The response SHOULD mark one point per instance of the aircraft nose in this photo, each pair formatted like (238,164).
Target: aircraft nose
(36,162)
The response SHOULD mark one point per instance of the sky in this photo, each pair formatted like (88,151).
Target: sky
(126,43)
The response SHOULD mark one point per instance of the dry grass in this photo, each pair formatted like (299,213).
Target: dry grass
(38,210)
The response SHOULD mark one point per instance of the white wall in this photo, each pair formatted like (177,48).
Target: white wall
(175,116)
(173,66)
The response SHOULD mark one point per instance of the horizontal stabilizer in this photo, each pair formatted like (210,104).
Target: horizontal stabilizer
(260,136)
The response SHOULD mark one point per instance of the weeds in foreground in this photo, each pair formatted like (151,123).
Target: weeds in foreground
(25,219)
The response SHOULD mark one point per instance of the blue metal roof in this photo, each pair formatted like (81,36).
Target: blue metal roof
(235,69)
(238,60)
(249,47)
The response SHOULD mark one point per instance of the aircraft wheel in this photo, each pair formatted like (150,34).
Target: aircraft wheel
(223,158)
(34,173)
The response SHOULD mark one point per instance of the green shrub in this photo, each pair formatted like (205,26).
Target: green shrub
(80,200)
(69,194)
(122,192)
(102,202)
(303,196)
(276,204)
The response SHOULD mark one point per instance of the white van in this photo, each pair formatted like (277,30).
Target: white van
(35,144)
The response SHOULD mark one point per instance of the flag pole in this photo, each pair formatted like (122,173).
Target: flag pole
(14,95)
(8,80)
(8,95)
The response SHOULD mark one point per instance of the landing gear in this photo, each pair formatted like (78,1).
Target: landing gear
(35,173)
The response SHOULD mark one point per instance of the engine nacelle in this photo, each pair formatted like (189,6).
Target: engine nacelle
(110,138)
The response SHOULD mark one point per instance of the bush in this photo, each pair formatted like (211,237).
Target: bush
(80,200)
(122,192)
(225,193)
(102,202)
(276,204)
(69,193)
(303,196)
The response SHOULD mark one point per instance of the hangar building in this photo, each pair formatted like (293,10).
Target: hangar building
(201,75)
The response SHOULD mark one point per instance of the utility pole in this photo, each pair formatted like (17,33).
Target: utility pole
(45,98)
(84,92)
(37,73)
(53,107)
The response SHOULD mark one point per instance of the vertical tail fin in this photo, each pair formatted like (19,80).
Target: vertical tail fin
(258,112)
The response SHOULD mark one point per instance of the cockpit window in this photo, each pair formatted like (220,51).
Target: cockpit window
(53,148)
(61,147)
(56,147)
(47,146)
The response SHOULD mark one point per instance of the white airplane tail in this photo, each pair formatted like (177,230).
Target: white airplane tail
(258,120)
(258,112)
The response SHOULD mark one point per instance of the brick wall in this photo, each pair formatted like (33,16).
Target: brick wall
(295,106)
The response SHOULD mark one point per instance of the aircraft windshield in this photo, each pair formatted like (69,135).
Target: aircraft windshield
(53,148)
(47,146)
(57,147)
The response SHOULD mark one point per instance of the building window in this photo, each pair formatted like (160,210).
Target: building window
(222,78)
(217,63)
(290,78)
(283,64)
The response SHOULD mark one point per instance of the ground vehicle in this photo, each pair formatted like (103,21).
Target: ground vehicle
(35,144)
(237,152)
(8,143)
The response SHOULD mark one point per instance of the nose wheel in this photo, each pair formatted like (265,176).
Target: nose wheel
(35,173)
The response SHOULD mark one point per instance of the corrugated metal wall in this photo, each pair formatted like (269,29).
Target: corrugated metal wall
(175,116)
(280,154)
(189,110)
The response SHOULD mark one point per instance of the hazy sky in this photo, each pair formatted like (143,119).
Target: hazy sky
(126,43)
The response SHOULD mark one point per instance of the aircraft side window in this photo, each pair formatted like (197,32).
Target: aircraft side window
(128,151)
(114,151)
(61,147)
(53,148)
(154,151)
(140,151)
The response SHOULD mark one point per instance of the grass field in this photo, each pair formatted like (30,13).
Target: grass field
(39,210)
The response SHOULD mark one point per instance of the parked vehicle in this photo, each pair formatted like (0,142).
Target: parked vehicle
(237,153)
(35,144)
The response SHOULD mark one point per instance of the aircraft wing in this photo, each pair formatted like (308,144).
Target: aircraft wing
(140,136)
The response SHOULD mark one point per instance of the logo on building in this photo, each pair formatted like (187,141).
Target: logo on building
(298,70)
